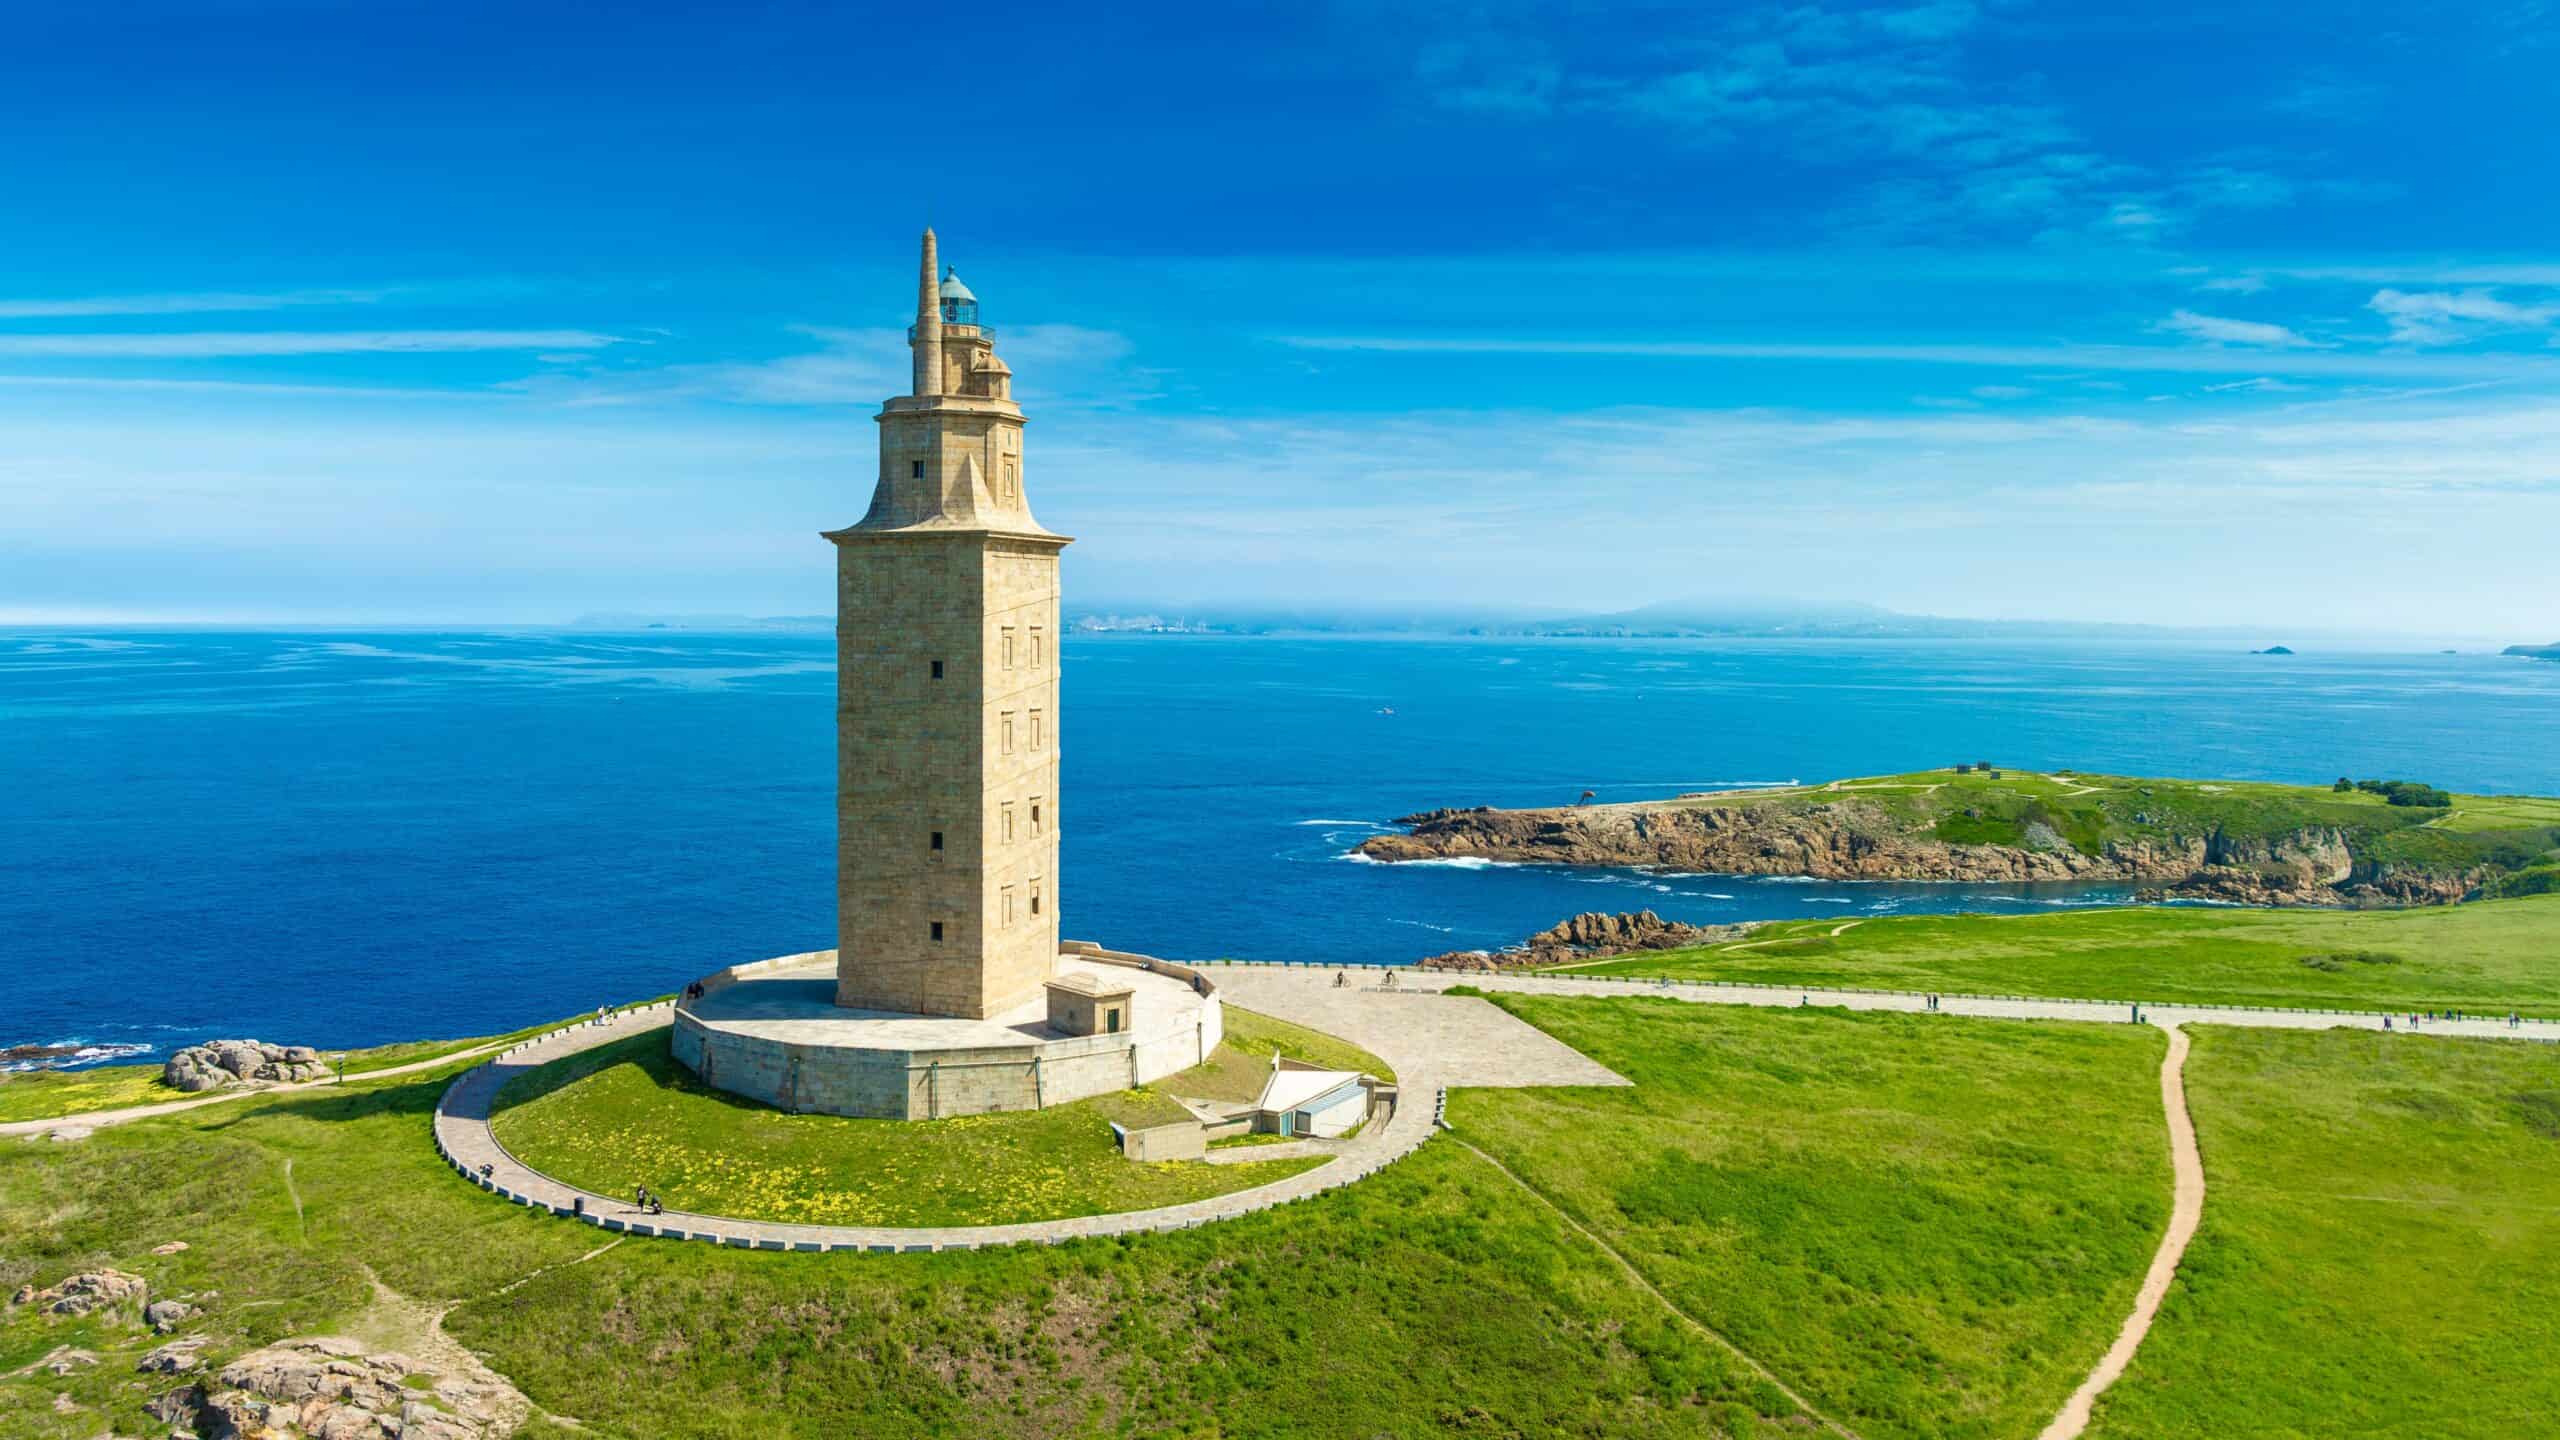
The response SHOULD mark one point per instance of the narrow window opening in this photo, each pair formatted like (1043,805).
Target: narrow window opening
(1005,732)
(937,930)
(1035,817)
(937,669)
(1035,730)
(915,469)
(1037,648)
(937,840)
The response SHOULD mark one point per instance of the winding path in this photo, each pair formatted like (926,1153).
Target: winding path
(95,1119)
(2186,1211)
(1432,1041)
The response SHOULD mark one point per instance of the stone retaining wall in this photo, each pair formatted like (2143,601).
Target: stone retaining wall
(464,1141)
(888,1083)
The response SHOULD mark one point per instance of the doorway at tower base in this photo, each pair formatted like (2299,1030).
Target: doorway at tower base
(771,1032)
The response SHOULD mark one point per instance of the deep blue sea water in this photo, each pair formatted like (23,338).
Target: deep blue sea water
(344,839)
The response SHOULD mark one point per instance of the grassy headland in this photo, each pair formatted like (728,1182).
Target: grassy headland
(2488,958)
(1926,1226)
(49,1094)
(2380,1222)
(1430,1298)
(2261,843)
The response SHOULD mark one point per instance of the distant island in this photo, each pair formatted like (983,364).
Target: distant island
(2369,844)
(2274,650)
(2534,652)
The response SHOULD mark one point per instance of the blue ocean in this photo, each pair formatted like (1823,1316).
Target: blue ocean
(345,839)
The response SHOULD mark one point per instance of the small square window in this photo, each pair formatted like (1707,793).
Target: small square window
(915,469)
(937,669)
(937,930)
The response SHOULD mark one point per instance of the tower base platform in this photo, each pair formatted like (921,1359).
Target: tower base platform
(771,1031)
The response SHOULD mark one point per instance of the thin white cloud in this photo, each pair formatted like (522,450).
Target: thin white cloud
(113,383)
(222,343)
(199,303)
(2446,317)
(2192,360)
(2221,330)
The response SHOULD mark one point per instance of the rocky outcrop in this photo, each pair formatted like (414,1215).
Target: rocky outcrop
(1853,840)
(331,1389)
(240,1062)
(86,1293)
(175,1358)
(1594,935)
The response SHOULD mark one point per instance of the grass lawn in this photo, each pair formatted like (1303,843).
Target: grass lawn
(1241,1065)
(1428,1299)
(1927,1226)
(626,1114)
(47,1094)
(2489,956)
(2380,1252)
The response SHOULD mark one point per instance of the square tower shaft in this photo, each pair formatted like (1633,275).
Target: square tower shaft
(947,727)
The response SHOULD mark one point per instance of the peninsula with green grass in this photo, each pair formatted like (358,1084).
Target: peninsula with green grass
(2358,842)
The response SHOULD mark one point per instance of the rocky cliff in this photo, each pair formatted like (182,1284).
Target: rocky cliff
(1855,840)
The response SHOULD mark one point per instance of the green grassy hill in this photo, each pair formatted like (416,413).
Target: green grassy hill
(2359,842)
(2489,957)
(2094,813)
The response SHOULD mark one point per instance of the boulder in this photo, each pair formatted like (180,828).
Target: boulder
(211,1066)
(1595,935)
(175,1358)
(173,1247)
(164,1316)
(332,1389)
(86,1292)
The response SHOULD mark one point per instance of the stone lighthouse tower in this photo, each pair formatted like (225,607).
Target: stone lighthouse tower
(947,693)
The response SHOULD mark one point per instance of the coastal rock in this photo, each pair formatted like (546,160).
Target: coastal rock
(331,1389)
(38,1052)
(87,1292)
(1852,840)
(199,1068)
(1594,935)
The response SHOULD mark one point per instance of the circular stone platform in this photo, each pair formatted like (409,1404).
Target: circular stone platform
(771,1031)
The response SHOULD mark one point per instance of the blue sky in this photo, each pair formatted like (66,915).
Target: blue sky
(475,313)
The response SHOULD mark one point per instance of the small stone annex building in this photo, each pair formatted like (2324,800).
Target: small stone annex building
(949,991)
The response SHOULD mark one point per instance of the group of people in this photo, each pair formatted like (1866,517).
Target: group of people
(2515,1019)
(649,1204)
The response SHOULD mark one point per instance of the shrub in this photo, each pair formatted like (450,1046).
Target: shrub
(2406,792)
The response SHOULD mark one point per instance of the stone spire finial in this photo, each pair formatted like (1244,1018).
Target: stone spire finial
(928,337)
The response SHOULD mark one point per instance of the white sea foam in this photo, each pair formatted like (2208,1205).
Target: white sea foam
(1356,858)
(1426,925)
(1829,900)
(86,1055)
(1362,824)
